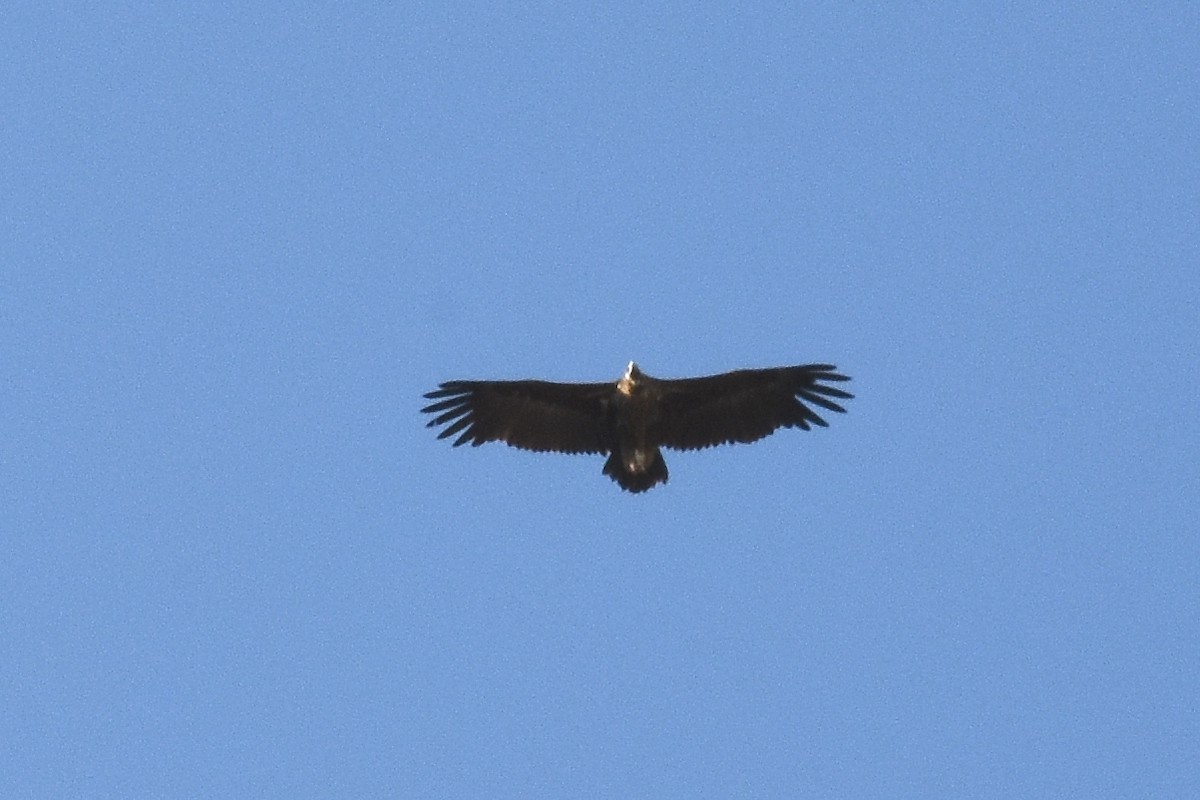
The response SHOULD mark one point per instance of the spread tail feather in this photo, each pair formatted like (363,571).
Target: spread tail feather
(640,480)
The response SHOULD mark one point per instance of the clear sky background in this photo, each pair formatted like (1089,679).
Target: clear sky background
(238,245)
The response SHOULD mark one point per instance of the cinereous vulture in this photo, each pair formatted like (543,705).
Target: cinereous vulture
(630,419)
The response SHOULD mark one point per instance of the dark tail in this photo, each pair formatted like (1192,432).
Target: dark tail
(636,482)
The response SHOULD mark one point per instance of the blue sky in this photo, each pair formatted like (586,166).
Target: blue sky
(240,244)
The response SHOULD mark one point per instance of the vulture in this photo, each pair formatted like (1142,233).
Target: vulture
(632,419)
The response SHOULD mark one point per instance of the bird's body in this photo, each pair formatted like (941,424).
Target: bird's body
(634,461)
(632,419)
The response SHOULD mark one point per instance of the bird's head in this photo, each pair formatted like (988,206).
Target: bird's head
(630,380)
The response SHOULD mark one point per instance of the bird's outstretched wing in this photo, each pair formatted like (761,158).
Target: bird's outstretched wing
(534,415)
(745,405)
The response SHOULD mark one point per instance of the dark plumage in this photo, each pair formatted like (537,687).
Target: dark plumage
(630,419)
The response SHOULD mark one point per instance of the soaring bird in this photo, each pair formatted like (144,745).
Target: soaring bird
(630,420)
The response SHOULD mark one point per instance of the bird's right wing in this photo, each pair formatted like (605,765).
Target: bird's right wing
(534,415)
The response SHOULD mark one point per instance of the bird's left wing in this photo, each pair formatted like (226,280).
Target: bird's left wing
(745,405)
(534,415)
